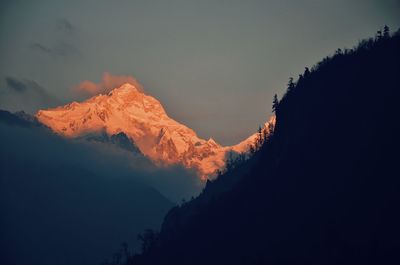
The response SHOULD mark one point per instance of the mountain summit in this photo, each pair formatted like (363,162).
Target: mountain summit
(143,119)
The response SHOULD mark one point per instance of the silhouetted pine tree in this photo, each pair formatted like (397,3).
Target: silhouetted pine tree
(275,104)
(306,72)
(386,32)
(290,85)
(378,35)
(149,239)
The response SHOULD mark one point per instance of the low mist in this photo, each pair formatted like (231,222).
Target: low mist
(71,202)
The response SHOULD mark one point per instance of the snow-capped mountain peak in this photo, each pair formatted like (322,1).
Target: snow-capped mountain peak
(126,89)
(143,120)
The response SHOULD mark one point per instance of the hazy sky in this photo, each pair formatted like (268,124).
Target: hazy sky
(214,65)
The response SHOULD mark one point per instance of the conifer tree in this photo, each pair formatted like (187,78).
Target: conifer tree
(259,140)
(386,32)
(275,104)
(265,135)
(290,84)
(306,72)
(378,35)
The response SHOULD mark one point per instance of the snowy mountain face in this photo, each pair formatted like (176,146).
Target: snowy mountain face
(127,112)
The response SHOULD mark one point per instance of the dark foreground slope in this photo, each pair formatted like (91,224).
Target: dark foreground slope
(325,189)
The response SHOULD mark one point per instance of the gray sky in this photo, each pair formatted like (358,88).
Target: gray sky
(214,65)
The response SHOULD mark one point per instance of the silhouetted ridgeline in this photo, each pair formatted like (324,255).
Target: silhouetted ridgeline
(324,189)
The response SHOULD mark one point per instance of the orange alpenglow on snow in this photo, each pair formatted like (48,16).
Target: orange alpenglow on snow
(143,119)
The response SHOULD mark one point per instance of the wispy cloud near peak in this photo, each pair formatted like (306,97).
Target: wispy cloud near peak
(108,82)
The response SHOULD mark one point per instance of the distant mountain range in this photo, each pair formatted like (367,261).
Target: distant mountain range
(129,113)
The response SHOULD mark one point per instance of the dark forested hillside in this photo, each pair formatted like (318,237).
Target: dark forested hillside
(323,189)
